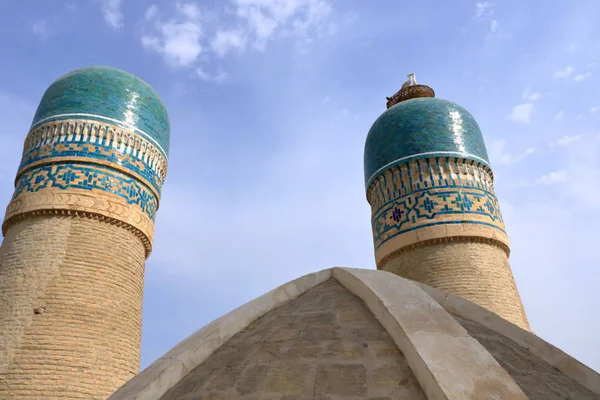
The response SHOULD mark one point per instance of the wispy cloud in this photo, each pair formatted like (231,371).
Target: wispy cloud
(266,18)
(151,12)
(493,26)
(582,77)
(565,140)
(482,8)
(41,29)
(563,73)
(220,77)
(559,115)
(226,40)
(529,95)
(522,113)
(111,10)
(183,37)
(500,155)
(553,177)
(177,39)
(594,110)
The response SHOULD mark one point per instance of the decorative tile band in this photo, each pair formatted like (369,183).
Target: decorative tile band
(81,203)
(94,179)
(138,153)
(100,120)
(436,192)
(475,161)
(88,153)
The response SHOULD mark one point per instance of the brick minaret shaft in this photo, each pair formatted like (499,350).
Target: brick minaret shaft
(76,235)
(436,220)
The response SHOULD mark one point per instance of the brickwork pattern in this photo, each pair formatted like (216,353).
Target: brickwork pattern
(437,221)
(70,308)
(323,345)
(537,379)
(83,203)
(478,272)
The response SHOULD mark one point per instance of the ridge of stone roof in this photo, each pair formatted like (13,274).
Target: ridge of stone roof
(447,362)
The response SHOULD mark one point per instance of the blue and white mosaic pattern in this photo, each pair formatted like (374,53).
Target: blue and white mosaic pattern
(93,151)
(430,192)
(431,207)
(92,178)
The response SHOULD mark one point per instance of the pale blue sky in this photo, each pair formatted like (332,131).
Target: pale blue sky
(270,102)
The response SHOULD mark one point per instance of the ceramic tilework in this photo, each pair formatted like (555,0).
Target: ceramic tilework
(95,152)
(422,128)
(65,176)
(428,192)
(107,93)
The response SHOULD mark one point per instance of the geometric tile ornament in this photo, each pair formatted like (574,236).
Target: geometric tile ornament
(434,192)
(97,147)
(428,176)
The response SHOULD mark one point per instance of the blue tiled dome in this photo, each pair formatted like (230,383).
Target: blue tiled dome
(422,128)
(107,94)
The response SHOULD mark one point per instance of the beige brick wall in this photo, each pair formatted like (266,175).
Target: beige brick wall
(89,277)
(323,345)
(479,272)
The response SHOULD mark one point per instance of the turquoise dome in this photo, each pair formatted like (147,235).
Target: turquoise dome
(422,128)
(110,95)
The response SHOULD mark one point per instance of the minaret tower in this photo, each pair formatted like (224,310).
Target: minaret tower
(77,233)
(435,215)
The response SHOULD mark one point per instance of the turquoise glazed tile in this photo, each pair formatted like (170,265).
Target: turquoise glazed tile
(107,94)
(422,128)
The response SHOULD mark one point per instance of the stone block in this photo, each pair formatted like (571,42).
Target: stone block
(341,380)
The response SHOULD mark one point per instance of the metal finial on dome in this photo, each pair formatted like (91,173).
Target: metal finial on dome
(410,90)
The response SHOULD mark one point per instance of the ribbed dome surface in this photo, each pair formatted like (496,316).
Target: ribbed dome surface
(421,128)
(107,94)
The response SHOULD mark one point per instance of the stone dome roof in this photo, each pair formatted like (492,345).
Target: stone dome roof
(107,94)
(422,128)
(349,333)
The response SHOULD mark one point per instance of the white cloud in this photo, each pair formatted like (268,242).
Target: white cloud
(591,65)
(189,10)
(41,29)
(553,177)
(219,77)
(582,77)
(182,38)
(564,73)
(481,8)
(111,9)
(565,140)
(529,96)
(594,110)
(264,18)
(522,113)
(151,12)
(493,26)
(499,154)
(227,40)
(178,39)
(559,115)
